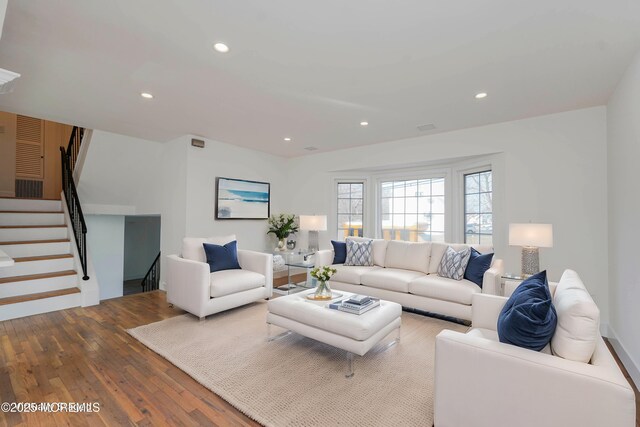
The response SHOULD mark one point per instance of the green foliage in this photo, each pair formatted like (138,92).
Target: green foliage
(282,225)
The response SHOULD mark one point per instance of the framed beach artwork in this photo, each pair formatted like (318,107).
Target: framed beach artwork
(242,199)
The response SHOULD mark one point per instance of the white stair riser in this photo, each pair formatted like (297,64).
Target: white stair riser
(37,267)
(10,218)
(22,234)
(36,249)
(45,305)
(27,287)
(29,205)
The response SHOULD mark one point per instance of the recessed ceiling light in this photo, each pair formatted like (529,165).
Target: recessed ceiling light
(287,139)
(481,95)
(221,47)
(364,123)
(146,95)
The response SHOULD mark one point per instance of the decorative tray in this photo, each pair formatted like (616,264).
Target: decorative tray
(334,295)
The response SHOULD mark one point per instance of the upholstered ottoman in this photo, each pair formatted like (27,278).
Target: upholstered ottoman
(356,334)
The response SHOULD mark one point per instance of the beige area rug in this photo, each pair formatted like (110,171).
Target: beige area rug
(296,381)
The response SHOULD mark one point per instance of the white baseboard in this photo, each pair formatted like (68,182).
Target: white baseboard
(632,367)
(605,331)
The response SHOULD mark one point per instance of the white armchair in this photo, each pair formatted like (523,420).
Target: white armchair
(480,381)
(192,287)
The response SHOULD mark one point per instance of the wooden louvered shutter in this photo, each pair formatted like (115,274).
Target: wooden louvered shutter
(29,148)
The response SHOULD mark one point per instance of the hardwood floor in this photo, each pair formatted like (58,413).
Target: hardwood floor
(85,355)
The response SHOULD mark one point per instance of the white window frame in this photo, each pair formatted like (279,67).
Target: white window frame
(332,221)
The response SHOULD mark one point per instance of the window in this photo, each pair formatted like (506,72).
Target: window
(412,210)
(350,207)
(478,208)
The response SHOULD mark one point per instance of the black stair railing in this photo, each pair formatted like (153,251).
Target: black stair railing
(152,278)
(74,146)
(71,197)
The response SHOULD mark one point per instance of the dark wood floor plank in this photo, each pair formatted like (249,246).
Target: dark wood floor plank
(85,355)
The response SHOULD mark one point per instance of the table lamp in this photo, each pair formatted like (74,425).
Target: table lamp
(313,224)
(531,237)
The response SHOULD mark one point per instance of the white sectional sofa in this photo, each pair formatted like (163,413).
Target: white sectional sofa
(573,382)
(406,273)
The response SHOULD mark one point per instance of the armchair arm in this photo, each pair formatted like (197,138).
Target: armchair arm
(491,377)
(485,310)
(324,257)
(188,284)
(491,281)
(258,262)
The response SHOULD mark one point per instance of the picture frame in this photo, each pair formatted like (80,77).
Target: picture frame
(242,199)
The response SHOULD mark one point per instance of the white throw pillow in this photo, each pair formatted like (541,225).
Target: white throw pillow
(453,264)
(379,249)
(578,328)
(359,253)
(192,246)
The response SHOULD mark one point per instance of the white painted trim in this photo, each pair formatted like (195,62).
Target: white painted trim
(632,366)
(82,155)
(332,216)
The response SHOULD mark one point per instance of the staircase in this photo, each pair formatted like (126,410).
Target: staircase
(44,277)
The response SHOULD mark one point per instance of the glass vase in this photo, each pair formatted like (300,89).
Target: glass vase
(282,243)
(323,291)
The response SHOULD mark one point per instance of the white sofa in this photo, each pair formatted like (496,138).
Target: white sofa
(192,287)
(573,382)
(406,273)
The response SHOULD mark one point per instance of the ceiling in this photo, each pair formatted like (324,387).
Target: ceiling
(311,71)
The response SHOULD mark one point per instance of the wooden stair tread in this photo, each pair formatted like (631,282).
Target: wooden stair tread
(33,212)
(40,295)
(30,198)
(38,276)
(34,226)
(28,242)
(42,257)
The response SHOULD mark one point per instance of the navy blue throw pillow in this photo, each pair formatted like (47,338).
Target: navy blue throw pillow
(339,252)
(223,257)
(528,319)
(477,265)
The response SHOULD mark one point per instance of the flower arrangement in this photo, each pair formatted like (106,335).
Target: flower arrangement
(282,225)
(323,273)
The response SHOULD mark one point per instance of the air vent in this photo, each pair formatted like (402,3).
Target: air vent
(311,148)
(27,188)
(424,128)
(197,143)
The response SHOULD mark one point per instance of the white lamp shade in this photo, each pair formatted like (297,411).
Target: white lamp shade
(313,222)
(537,235)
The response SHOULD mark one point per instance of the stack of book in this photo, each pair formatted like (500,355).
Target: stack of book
(355,304)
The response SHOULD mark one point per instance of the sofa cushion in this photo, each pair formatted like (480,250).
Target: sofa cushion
(379,249)
(222,257)
(454,263)
(528,318)
(359,253)
(192,246)
(578,320)
(339,252)
(391,279)
(433,286)
(438,250)
(477,266)
(351,273)
(227,282)
(408,255)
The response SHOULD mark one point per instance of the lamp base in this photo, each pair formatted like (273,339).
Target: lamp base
(530,261)
(313,241)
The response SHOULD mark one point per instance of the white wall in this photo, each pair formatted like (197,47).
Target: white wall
(552,169)
(105,243)
(623,121)
(141,245)
(224,160)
